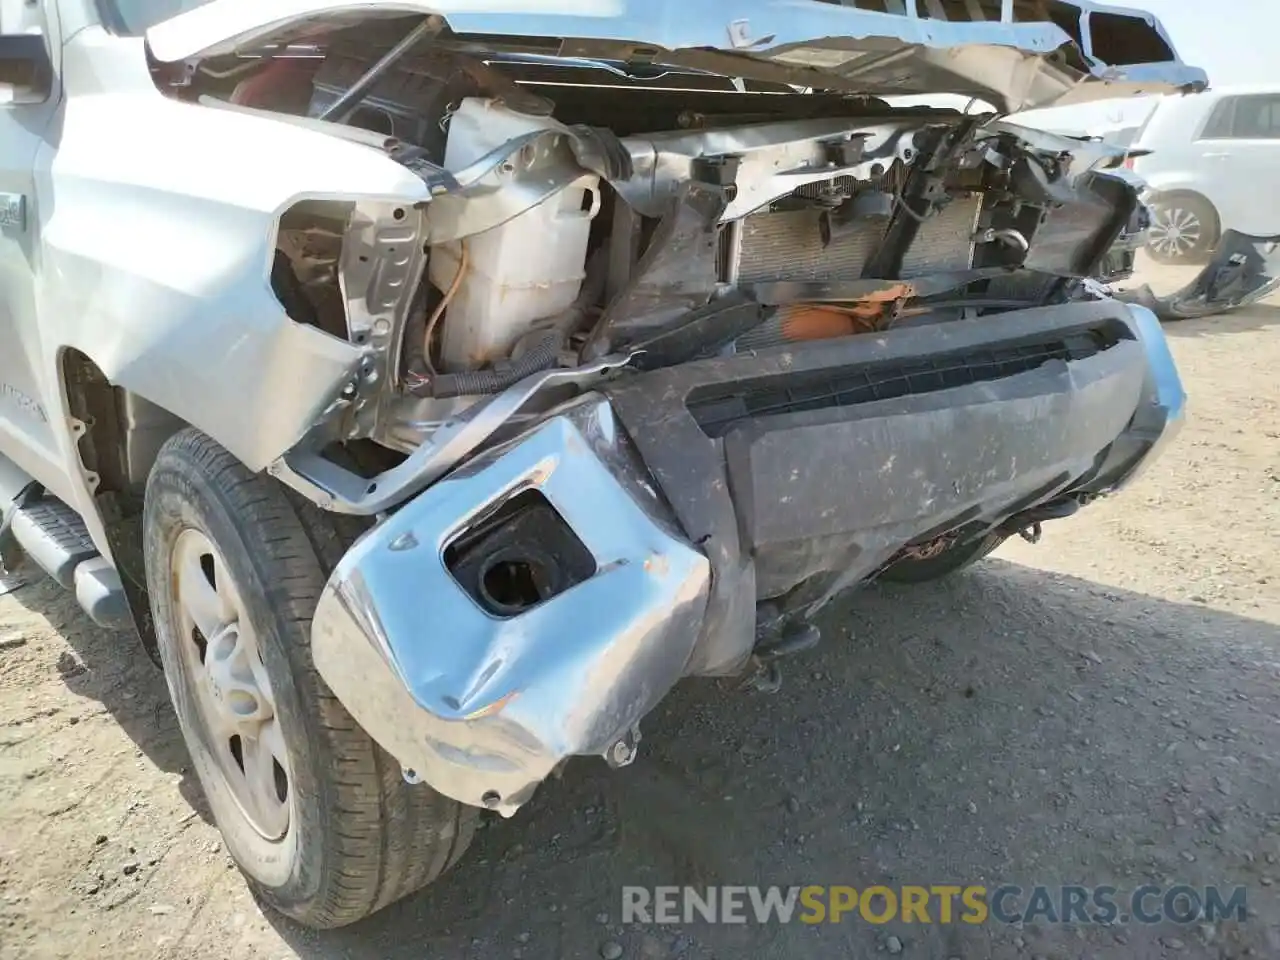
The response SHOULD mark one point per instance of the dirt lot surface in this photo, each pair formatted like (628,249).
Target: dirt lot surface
(1100,708)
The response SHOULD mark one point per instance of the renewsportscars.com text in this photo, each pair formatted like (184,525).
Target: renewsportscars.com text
(937,903)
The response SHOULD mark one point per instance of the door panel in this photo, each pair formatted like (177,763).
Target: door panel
(26,429)
(1242,168)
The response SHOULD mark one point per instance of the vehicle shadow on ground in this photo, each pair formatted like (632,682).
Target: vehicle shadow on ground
(910,686)
(1256,317)
(111,667)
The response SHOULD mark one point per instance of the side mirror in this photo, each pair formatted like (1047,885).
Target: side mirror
(26,72)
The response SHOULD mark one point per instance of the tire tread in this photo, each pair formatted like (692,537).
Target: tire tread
(392,838)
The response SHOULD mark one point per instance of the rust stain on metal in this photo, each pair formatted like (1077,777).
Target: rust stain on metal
(926,551)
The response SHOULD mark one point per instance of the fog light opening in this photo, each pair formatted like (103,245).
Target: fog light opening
(521,555)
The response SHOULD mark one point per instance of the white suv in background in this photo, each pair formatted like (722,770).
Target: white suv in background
(1214,165)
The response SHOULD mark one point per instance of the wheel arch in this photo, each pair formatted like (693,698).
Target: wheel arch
(117,436)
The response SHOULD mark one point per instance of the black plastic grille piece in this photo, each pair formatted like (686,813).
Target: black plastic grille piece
(719,407)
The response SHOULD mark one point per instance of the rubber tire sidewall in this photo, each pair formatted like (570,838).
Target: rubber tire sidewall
(1203,209)
(179,498)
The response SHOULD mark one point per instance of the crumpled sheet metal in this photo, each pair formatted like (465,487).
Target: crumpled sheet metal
(1014,65)
(482,707)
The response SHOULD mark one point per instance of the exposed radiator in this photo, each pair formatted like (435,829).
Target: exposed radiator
(787,245)
(945,241)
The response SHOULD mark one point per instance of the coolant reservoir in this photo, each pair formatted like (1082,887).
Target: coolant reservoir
(528,268)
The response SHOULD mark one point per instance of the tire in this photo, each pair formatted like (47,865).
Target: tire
(952,560)
(1184,229)
(356,836)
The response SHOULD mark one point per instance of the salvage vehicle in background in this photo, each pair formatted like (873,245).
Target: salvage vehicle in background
(433,385)
(1212,162)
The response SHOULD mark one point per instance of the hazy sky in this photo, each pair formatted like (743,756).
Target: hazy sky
(1235,40)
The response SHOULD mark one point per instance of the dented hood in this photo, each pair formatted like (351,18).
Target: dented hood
(808,43)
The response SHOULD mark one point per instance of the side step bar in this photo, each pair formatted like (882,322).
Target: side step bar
(54,538)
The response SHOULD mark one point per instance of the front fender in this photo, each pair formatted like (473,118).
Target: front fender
(1163,185)
(158,232)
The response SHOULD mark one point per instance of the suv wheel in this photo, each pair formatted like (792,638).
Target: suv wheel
(316,815)
(1184,229)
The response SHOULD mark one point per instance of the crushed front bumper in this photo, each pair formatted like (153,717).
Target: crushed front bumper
(772,470)
(484,703)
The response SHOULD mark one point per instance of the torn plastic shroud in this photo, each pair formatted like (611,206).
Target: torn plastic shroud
(1243,270)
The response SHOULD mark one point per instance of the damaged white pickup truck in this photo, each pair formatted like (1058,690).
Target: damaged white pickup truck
(434,384)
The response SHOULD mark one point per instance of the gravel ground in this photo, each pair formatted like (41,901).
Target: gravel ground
(1099,708)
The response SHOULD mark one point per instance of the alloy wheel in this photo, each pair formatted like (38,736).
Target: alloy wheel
(1175,231)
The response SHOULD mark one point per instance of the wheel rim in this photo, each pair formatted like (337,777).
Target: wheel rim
(1175,231)
(228,683)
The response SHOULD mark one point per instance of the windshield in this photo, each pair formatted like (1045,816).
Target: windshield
(134,17)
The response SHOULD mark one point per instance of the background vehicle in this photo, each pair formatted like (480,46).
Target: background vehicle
(1213,165)
(432,394)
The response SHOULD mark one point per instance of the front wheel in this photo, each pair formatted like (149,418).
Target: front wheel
(1184,229)
(316,815)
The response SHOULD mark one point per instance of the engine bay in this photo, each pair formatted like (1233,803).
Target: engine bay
(585,208)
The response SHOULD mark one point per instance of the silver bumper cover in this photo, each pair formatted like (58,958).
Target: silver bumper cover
(1160,418)
(484,707)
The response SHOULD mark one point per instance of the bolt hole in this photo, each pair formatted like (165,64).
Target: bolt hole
(491,798)
(398,213)
(511,582)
